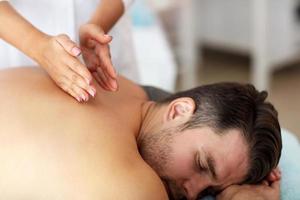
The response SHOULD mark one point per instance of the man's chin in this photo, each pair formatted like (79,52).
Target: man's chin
(171,193)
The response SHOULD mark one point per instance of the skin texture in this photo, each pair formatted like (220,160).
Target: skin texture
(58,54)
(95,43)
(117,146)
(255,192)
(179,157)
(55,148)
(180,152)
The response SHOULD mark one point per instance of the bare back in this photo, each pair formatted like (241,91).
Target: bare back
(53,147)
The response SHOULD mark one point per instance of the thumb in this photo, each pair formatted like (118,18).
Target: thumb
(70,46)
(96,33)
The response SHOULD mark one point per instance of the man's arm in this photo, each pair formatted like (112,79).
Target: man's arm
(251,192)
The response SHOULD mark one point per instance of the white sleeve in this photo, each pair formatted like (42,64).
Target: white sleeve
(127,3)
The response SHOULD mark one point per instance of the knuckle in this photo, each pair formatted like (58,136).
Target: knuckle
(85,72)
(75,67)
(54,42)
(68,90)
(63,86)
(60,83)
(71,86)
(74,78)
(63,36)
(77,81)
(73,90)
(74,63)
(81,69)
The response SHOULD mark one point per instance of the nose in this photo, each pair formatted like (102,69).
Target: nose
(194,186)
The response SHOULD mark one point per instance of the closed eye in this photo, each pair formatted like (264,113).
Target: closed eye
(198,164)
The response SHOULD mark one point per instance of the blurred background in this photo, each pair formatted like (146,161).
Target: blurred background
(196,42)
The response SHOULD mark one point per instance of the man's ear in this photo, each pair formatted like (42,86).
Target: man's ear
(180,109)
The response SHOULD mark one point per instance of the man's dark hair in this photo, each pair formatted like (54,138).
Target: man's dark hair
(224,106)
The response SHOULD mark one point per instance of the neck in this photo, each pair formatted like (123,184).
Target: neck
(151,119)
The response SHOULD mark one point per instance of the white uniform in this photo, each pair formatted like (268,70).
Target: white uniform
(54,17)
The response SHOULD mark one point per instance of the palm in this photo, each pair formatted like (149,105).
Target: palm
(90,57)
(96,54)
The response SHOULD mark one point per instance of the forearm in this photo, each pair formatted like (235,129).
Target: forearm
(108,13)
(246,197)
(15,30)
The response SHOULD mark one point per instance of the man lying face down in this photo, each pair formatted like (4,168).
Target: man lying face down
(123,146)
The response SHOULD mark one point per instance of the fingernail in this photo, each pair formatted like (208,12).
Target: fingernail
(78,99)
(92,92)
(83,97)
(114,85)
(76,51)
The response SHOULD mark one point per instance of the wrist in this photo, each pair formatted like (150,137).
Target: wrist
(35,45)
(96,23)
(246,196)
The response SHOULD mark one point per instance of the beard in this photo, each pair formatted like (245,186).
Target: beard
(174,192)
(156,150)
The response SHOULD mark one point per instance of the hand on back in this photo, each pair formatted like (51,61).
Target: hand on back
(58,56)
(94,44)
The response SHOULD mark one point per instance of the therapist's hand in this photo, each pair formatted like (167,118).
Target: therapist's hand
(94,44)
(58,56)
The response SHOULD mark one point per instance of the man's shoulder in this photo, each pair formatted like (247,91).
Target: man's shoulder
(125,176)
(129,87)
(144,183)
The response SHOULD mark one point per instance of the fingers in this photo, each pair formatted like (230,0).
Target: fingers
(100,81)
(91,32)
(73,82)
(274,175)
(69,46)
(110,84)
(73,85)
(271,177)
(104,54)
(80,69)
(80,76)
(66,70)
(78,84)
(96,33)
(83,96)
(278,171)
(91,60)
(68,90)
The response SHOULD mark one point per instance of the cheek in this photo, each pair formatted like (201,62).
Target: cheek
(182,164)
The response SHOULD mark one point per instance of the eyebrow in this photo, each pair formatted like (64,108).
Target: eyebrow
(211,165)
